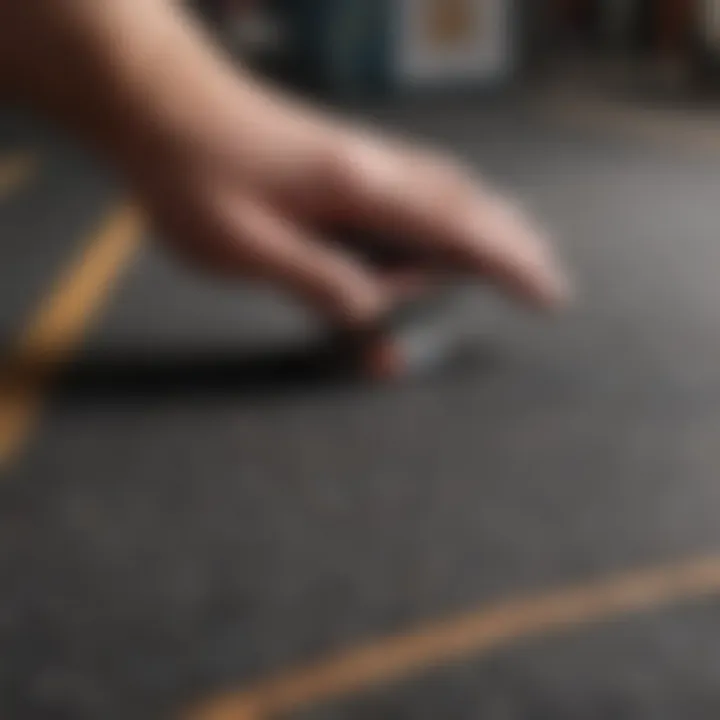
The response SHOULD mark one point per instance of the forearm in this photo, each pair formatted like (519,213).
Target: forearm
(129,75)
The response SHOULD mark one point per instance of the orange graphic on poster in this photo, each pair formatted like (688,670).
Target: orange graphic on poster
(451,23)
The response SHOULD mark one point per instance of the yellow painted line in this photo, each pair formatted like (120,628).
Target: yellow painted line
(16,169)
(58,326)
(396,658)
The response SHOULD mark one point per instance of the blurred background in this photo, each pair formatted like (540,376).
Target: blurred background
(189,528)
(351,47)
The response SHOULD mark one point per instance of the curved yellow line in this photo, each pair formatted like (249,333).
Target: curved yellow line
(395,658)
(59,325)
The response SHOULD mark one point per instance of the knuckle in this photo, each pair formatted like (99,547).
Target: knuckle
(363,165)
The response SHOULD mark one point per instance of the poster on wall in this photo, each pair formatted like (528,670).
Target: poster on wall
(453,41)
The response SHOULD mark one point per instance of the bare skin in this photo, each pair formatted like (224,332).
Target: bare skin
(241,180)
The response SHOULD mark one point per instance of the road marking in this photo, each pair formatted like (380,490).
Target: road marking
(16,170)
(396,658)
(58,327)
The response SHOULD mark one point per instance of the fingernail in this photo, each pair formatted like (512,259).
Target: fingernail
(557,289)
(363,309)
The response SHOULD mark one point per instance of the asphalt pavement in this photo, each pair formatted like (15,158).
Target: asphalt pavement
(189,514)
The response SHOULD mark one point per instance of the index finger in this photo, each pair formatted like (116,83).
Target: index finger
(431,205)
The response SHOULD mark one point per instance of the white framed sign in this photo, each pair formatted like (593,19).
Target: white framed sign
(451,41)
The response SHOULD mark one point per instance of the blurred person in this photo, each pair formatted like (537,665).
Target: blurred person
(240,179)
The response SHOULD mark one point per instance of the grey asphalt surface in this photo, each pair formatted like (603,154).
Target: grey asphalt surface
(180,525)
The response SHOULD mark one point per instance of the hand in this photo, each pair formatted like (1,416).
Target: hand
(264,200)
(242,181)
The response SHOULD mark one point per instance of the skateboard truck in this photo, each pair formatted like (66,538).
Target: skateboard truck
(419,337)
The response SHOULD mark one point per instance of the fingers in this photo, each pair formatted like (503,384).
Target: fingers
(514,251)
(263,245)
(438,207)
